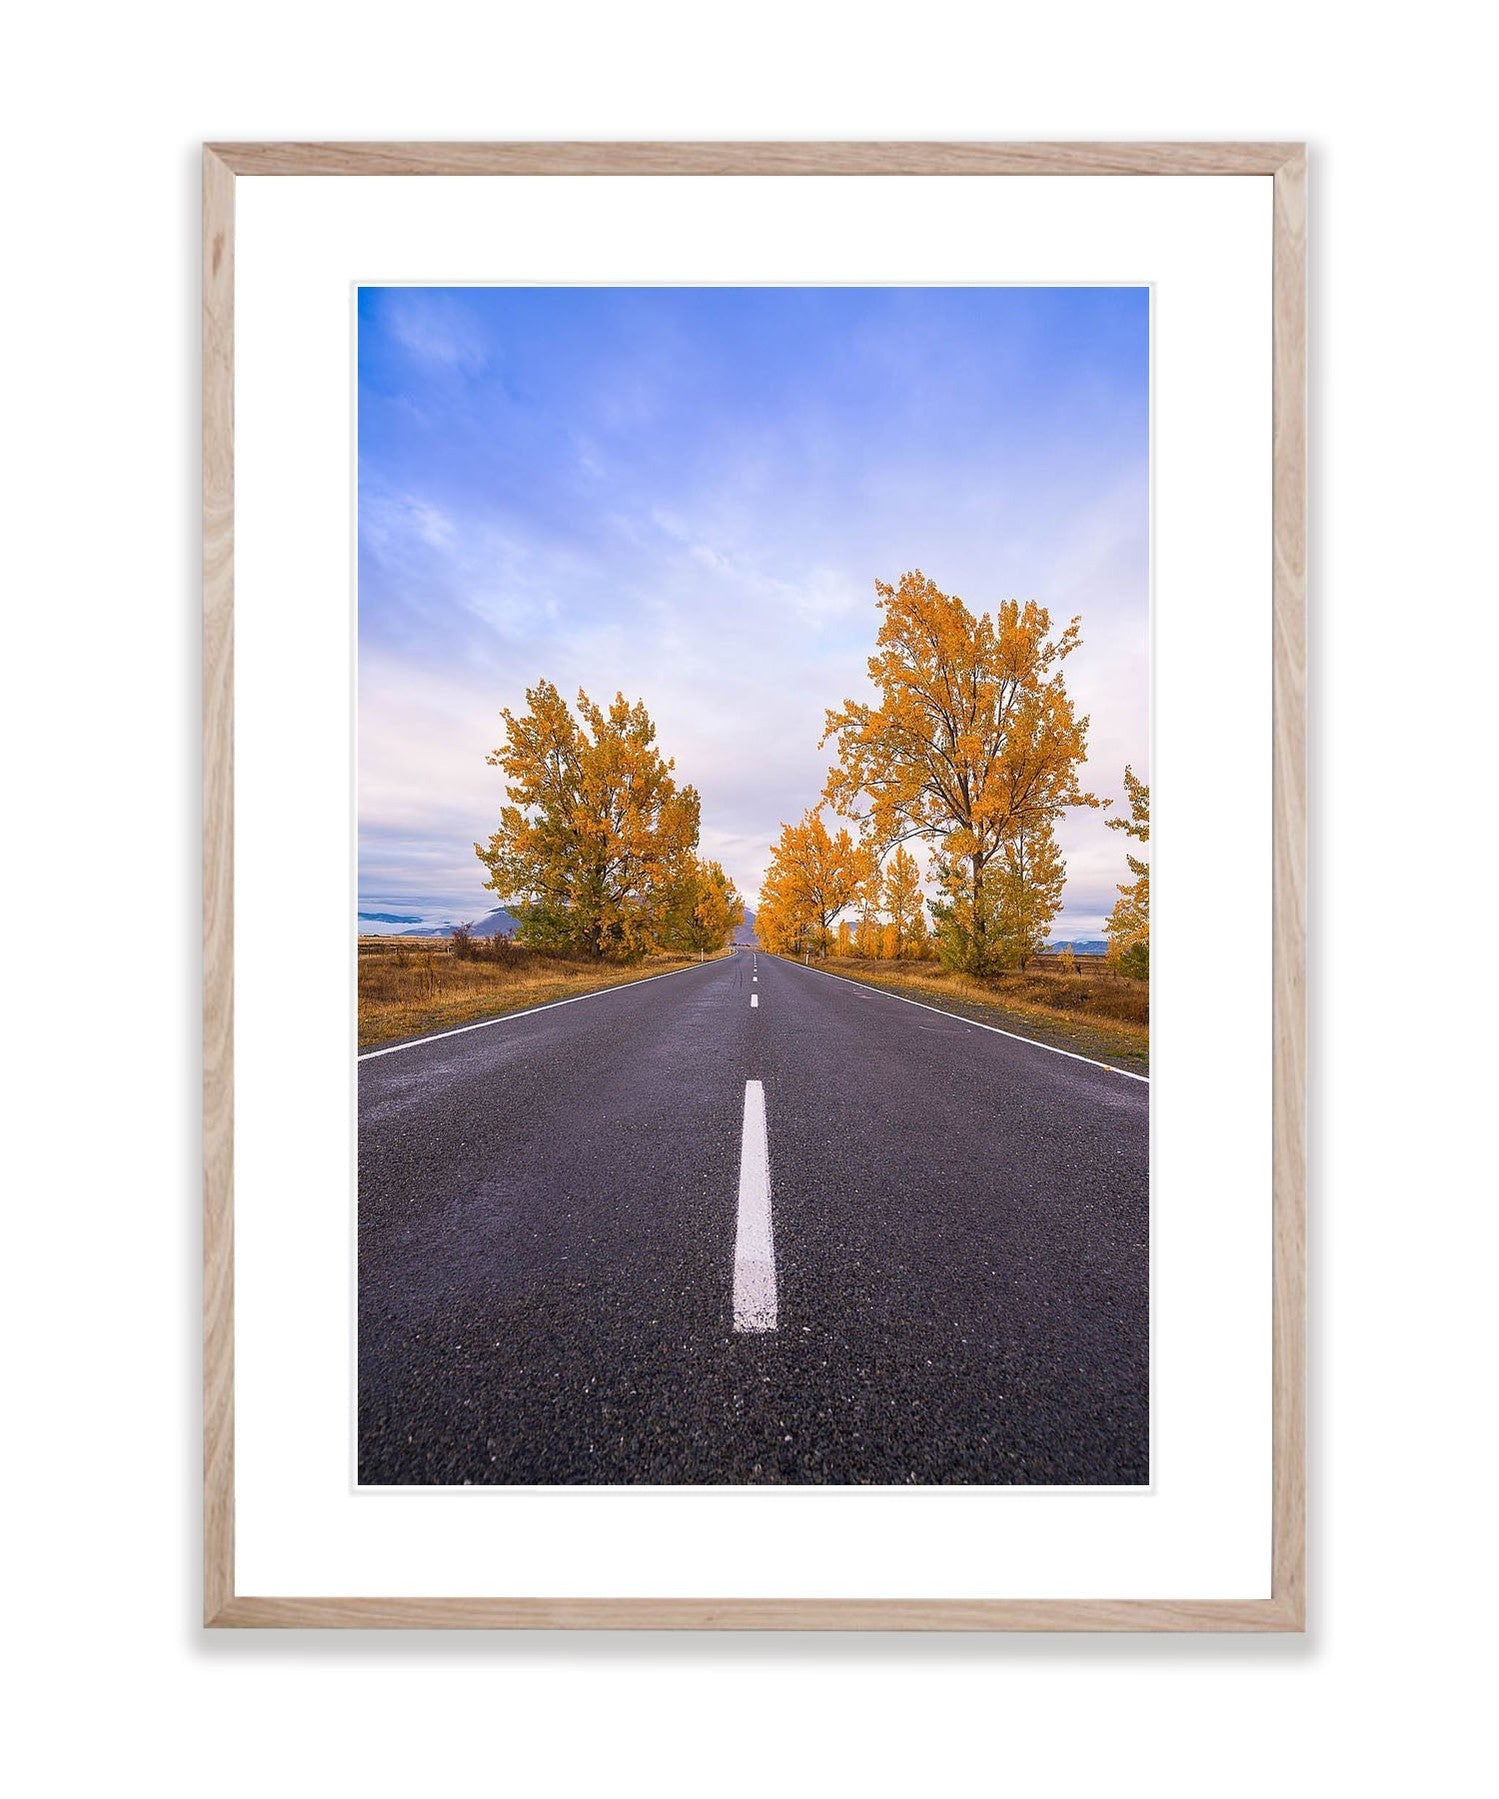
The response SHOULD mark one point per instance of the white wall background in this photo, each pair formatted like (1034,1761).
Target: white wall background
(103,109)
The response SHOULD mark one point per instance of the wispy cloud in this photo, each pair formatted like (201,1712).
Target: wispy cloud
(437,328)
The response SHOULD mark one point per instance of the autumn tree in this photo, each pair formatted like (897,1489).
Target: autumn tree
(705,909)
(966,916)
(721,911)
(813,876)
(1018,897)
(1031,878)
(868,896)
(783,923)
(779,927)
(902,897)
(1128,925)
(972,739)
(597,836)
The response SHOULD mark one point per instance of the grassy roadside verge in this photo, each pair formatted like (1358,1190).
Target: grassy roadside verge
(1065,1011)
(410,988)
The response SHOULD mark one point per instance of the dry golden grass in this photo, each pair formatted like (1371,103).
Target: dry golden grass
(410,986)
(1094,1013)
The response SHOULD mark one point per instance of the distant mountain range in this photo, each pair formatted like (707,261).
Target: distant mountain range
(498,923)
(501,923)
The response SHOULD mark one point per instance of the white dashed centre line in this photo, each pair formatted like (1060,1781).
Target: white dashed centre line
(754,1243)
(754,999)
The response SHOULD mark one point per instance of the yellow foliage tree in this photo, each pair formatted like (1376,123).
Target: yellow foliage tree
(597,836)
(1019,895)
(705,910)
(1128,925)
(781,928)
(902,896)
(1032,875)
(973,737)
(812,877)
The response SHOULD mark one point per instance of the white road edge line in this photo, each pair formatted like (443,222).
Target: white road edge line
(505,1017)
(754,1242)
(1014,1036)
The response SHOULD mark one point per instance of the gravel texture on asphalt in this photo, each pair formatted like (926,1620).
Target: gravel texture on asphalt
(546,1238)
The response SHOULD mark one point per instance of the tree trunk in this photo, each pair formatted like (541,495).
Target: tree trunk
(978,914)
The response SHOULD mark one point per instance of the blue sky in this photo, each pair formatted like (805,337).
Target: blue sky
(688,494)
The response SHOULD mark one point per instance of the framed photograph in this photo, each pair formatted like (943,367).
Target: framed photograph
(754,886)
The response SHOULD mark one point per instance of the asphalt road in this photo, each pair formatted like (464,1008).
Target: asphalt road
(559,1222)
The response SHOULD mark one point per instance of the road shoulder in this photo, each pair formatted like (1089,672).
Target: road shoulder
(465,1011)
(1098,1042)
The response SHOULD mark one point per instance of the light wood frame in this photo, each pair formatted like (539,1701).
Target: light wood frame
(1285,1609)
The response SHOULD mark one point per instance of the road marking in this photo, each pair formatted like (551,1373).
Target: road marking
(530,1011)
(754,1242)
(754,999)
(1035,1042)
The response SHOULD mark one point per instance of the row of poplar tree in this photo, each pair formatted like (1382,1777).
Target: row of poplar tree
(972,747)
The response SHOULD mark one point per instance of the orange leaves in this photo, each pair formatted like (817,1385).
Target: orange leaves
(973,729)
(973,742)
(813,875)
(1137,825)
(705,910)
(1003,918)
(1128,925)
(597,833)
(901,894)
